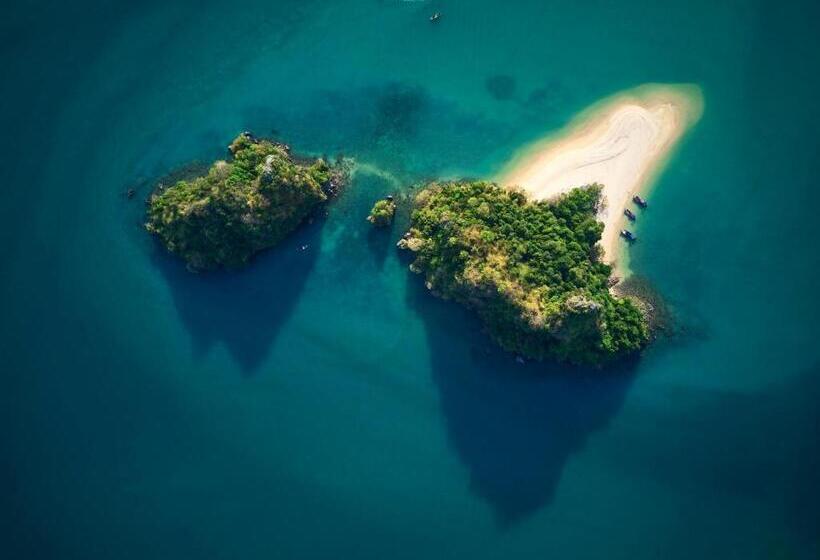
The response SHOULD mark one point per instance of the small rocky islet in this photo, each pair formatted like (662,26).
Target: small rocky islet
(382,213)
(532,270)
(241,206)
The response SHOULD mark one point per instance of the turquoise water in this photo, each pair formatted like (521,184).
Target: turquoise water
(320,404)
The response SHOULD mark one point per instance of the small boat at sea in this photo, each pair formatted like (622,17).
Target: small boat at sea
(639,201)
(626,234)
(435,17)
(129,194)
(629,214)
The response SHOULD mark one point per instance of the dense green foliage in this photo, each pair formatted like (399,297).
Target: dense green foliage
(239,207)
(532,270)
(381,215)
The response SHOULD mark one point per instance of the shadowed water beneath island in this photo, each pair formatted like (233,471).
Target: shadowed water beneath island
(380,241)
(513,426)
(243,309)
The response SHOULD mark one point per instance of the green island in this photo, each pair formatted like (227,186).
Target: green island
(242,206)
(381,215)
(531,270)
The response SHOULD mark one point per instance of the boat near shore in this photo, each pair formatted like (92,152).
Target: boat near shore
(620,143)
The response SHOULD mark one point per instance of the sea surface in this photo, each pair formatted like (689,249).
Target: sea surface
(319,403)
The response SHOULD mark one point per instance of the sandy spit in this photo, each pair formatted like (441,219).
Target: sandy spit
(622,142)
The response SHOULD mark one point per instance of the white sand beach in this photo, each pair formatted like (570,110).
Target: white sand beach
(621,142)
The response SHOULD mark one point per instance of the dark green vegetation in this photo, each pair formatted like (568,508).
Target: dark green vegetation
(381,215)
(532,270)
(239,207)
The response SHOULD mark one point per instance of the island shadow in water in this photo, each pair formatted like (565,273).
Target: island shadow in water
(242,309)
(513,426)
(379,240)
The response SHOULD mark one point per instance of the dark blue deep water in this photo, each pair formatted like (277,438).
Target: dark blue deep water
(321,404)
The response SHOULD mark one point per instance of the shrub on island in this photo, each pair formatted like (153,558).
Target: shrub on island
(532,270)
(381,215)
(240,207)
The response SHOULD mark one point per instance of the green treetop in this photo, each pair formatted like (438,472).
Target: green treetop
(381,215)
(532,270)
(239,207)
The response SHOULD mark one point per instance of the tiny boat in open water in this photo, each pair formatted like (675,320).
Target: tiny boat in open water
(626,234)
(639,201)
(435,17)
(629,214)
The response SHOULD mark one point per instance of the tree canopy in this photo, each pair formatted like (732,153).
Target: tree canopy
(532,270)
(381,215)
(239,207)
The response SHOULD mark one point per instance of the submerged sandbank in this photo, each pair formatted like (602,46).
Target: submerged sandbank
(621,142)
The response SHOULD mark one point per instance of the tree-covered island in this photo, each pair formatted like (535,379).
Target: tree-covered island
(381,215)
(532,270)
(241,206)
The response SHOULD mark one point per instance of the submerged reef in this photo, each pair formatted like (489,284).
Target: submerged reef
(241,206)
(531,269)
